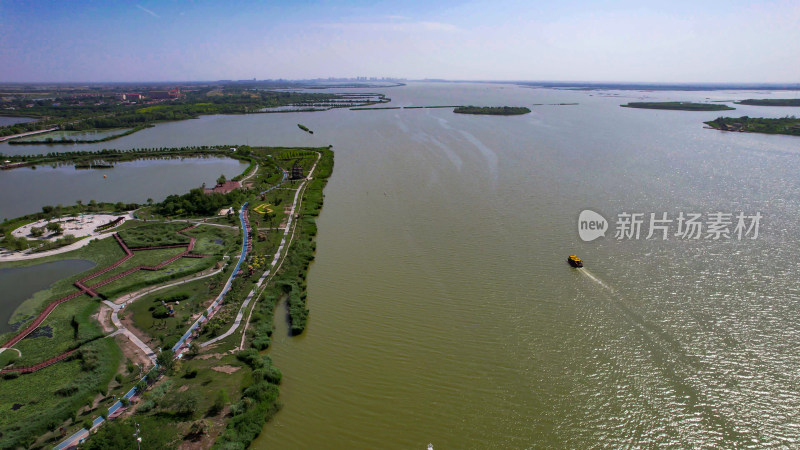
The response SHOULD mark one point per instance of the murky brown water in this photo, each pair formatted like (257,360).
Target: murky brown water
(442,308)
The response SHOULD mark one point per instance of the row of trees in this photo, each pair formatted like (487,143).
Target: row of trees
(492,110)
(198,203)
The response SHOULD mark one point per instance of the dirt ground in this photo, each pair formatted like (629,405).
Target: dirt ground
(127,322)
(103,316)
(132,351)
(226,369)
(210,355)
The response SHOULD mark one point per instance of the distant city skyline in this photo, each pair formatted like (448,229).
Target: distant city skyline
(623,41)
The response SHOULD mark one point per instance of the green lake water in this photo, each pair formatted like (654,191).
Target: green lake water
(20,283)
(442,307)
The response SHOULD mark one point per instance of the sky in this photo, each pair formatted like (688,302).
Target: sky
(636,41)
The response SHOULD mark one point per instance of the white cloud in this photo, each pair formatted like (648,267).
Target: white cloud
(395,26)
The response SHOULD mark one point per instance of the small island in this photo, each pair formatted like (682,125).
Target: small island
(770,102)
(785,125)
(304,128)
(678,106)
(492,110)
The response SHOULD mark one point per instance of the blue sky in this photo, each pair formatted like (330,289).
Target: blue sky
(674,41)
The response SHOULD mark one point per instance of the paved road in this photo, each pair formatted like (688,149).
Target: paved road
(29,133)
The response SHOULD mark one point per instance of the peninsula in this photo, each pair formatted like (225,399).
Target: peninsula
(163,332)
(771,102)
(785,125)
(678,106)
(91,114)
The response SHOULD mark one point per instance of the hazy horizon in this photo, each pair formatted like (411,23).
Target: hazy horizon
(506,40)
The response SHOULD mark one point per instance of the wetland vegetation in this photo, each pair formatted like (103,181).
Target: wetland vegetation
(678,106)
(210,394)
(493,110)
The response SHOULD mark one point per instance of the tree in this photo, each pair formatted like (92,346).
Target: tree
(37,231)
(221,179)
(164,359)
(186,403)
(47,209)
(54,227)
(149,202)
(219,402)
(75,325)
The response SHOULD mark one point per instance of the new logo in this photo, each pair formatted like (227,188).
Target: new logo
(591,225)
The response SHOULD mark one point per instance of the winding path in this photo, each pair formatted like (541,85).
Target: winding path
(269,273)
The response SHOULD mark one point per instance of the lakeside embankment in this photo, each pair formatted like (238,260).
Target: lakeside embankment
(244,391)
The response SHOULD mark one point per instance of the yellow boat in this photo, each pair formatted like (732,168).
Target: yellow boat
(574,261)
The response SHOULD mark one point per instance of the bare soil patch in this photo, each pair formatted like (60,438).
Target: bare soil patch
(226,369)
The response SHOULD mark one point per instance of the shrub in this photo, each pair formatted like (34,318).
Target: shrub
(219,403)
(160,312)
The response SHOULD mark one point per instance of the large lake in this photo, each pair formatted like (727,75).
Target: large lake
(26,190)
(442,307)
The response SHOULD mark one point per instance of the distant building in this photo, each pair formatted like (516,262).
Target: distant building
(297,172)
(130,97)
(172,93)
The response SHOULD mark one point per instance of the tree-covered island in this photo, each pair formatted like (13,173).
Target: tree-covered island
(678,106)
(492,110)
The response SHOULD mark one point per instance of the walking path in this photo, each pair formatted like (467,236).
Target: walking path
(249,176)
(120,303)
(82,434)
(214,307)
(91,290)
(115,308)
(22,256)
(268,273)
(29,133)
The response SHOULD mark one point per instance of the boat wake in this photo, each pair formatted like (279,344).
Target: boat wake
(592,277)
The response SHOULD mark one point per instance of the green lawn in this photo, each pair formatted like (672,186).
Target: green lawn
(166,329)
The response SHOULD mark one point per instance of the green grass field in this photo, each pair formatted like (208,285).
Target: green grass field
(35,403)
(168,328)
(154,234)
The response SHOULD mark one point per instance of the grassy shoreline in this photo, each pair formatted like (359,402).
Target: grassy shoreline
(229,396)
(21,141)
(787,125)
